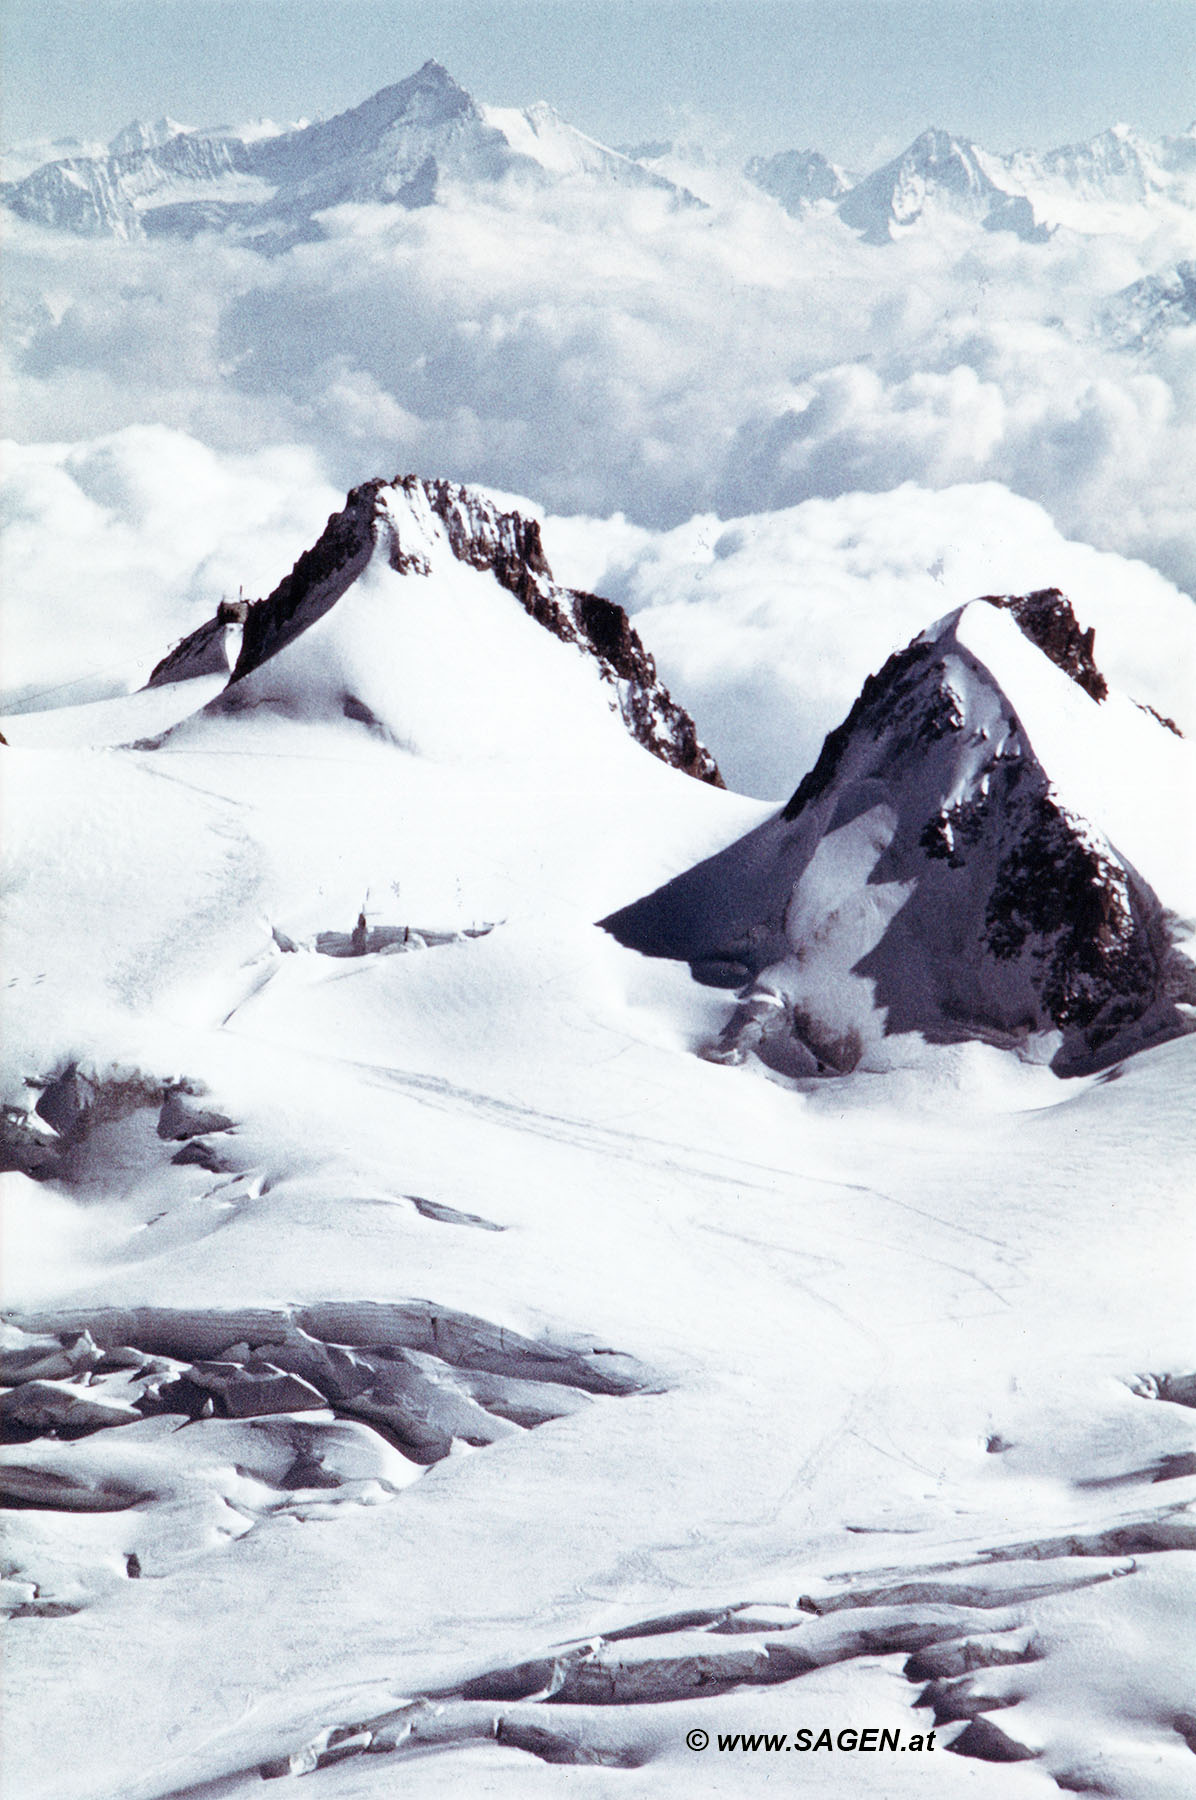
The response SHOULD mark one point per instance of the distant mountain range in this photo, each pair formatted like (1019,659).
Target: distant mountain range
(406,142)
(1027,192)
(398,147)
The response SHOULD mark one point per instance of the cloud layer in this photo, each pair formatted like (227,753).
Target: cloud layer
(765,626)
(115,547)
(607,350)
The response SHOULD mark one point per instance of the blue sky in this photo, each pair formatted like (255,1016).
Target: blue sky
(856,78)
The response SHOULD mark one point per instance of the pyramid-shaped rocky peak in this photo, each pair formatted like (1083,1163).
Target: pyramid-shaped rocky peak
(938,170)
(945,868)
(429,98)
(421,530)
(399,147)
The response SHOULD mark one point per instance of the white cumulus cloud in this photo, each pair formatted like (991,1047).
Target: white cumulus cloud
(765,626)
(115,546)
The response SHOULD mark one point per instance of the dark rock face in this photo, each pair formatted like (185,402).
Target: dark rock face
(507,546)
(317,581)
(182,1118)
(1048,621)
(1053,885)
(204,651)
(1045,617)
(989,1743)
(882,697)
(927,877)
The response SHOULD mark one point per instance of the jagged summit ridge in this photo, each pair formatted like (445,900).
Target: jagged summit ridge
(936,167)
(405,142)
(798,178)
(412,525)
(933,874)
(1047,619)
(1027,192)
(397,147)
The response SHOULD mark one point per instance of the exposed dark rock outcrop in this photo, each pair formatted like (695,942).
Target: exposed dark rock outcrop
(211,649)
(1047,619)
(928,876)
(989,1743)
(317,581)
(381,515)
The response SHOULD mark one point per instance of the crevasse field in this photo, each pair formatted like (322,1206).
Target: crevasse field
(450,1351)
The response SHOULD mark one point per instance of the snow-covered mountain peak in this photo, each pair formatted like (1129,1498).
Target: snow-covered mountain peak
(1086,186)
(1047,619)
(424,612)
(429,98)
(138,135)
(969,857)
(798,178)
(396,147)
(937,170)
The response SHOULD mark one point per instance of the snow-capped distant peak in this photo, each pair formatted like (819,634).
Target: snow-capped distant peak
(267,186)
(953,865)
(937,171)
(799,179)
(138,136)
(1143,313)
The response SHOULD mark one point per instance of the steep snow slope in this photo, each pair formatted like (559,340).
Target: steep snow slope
(936,170)
(447,637)
(421,655)
(540,133)
(421,1352)
(985,848)
(1093,187)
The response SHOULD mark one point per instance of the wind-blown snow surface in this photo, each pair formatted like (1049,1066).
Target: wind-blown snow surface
(861,1405)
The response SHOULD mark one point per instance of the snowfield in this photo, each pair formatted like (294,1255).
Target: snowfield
(426,1369)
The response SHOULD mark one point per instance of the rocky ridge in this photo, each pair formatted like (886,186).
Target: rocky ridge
(798,178)
(1027,192)
(935,167)
(395,518)
(928,875)
(401,146)
(396,148)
